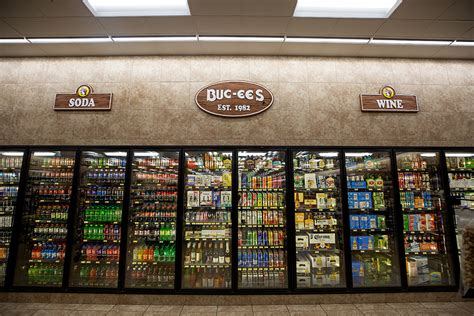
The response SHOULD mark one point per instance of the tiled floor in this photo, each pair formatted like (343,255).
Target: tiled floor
(428,308)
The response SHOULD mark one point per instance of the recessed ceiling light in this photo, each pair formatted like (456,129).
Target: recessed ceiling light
(13,41)
(155,39)
(409,42)
(240,39)
(137,7)
(323,40)
(462,43)
(67,40)
(346,8)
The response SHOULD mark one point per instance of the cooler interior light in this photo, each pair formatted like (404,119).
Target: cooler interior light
(115,154)
(137,7)
(44,154)
(358,154)
(12,153)
(459,155)
(146,154)
(346,8)
(329,154)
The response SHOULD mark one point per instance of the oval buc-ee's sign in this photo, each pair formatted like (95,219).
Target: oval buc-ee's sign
(234,98)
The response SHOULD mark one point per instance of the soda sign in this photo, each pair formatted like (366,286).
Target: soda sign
(83,99)
(234,98)
(388,101)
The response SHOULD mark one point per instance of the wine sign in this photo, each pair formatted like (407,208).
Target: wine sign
(83,100)
(234,98)
(388,101)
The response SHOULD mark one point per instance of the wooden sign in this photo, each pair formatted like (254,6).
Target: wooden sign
(83,100)
(234,98)
(388,101)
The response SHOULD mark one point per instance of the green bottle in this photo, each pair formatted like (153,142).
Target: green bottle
(156,254)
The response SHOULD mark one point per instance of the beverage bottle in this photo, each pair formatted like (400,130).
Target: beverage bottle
(254,258)
(244,258)
(221,253)
(156,254)
(140,254)
(116,232)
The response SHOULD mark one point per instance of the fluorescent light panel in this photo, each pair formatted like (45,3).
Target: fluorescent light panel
(13,41)
(155,39)
(409,42)
(137,7)
(462,43)
(241,39)
(346,8)
(323,40)
(66,40)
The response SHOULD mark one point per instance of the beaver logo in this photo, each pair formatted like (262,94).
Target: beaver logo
(388,92)
(83,91)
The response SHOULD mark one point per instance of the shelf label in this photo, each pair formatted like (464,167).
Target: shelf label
(322,239)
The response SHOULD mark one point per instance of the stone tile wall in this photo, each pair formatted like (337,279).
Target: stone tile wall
(316,101)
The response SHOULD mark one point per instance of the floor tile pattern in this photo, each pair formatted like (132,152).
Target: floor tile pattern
(382,309)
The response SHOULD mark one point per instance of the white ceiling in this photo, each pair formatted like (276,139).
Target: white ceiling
(414,19)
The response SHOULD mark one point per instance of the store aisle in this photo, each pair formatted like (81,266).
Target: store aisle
(428,308)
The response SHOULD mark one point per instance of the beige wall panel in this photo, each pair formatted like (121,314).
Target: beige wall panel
(316,101)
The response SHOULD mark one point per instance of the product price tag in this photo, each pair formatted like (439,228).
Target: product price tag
(322,238)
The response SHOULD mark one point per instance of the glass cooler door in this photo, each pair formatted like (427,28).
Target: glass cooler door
(207,220)
(374,254)
(318,220)
(96,250)
(42,242)
(426,236)
(460,167)
(151,238)
(262,247)
(10,170)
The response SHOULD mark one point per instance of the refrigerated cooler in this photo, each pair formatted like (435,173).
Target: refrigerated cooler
(207,220)
(262,244)
(427,240)
(318,220)
(10,171)
(43,230)
(362,219)
(151,247)
(373,242)
(97,228)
